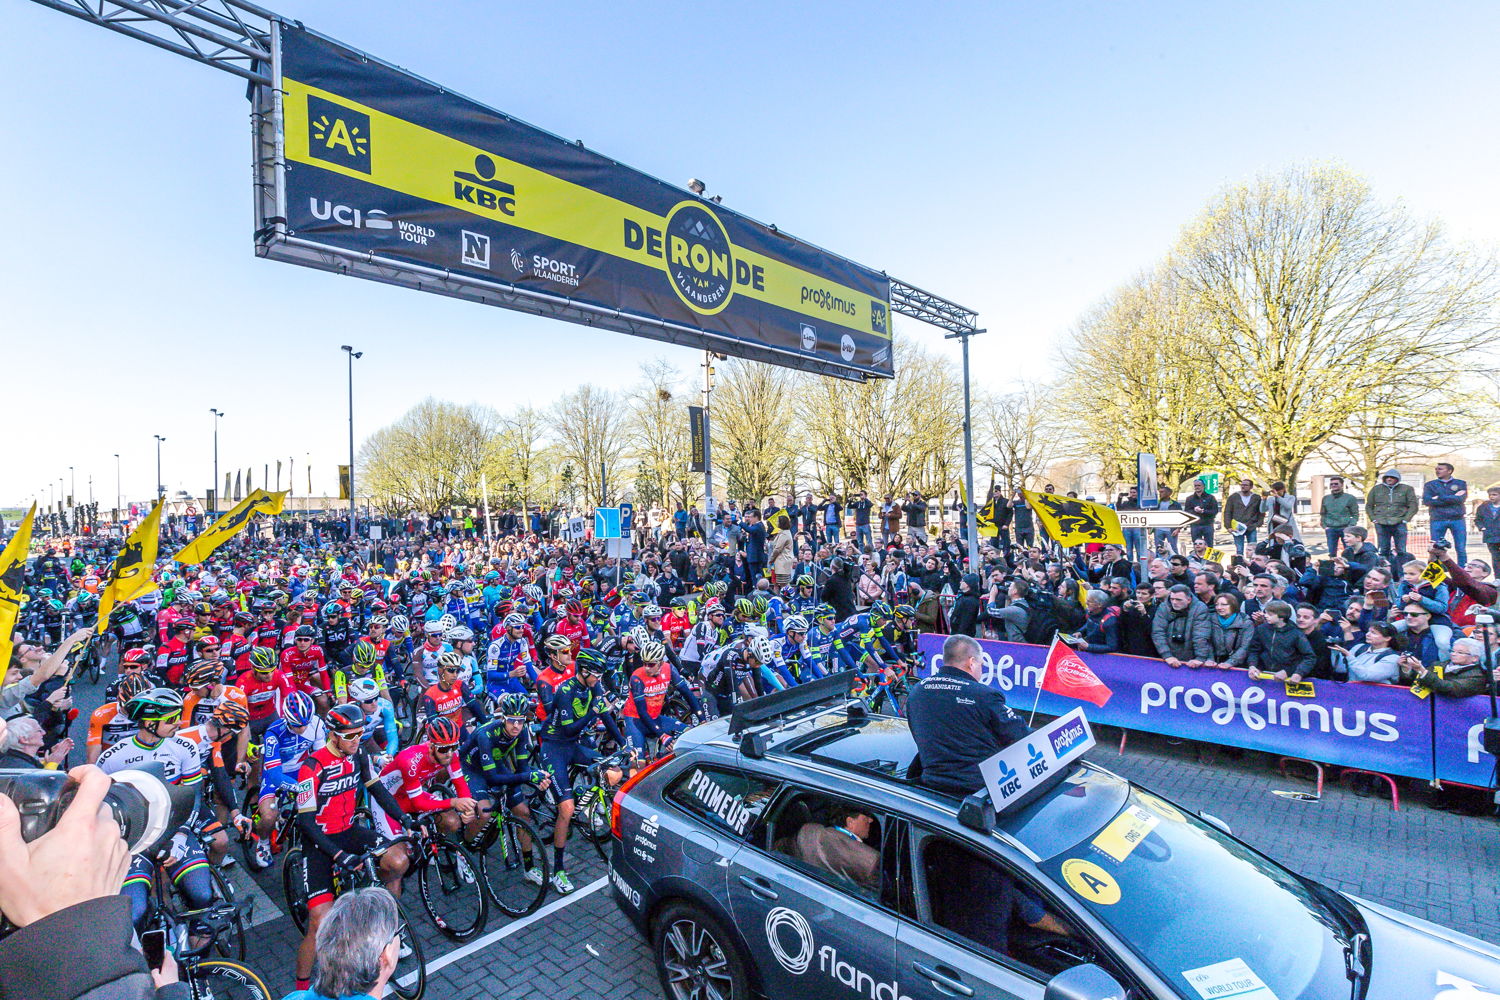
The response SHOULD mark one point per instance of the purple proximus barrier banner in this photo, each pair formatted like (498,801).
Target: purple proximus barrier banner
(1373,726)
(1457,726)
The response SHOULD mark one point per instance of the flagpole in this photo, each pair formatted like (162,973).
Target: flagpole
(1047,664)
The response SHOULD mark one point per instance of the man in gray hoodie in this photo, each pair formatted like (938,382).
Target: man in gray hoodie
(1391,504)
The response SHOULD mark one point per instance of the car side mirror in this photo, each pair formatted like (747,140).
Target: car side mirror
(1083,982)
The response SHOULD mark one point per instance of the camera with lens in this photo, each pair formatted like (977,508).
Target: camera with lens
(146,807)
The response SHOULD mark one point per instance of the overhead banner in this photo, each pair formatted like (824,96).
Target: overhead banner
(1379,727)
(697,436)
(393,171)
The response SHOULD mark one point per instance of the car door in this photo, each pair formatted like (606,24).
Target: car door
(812,934)
(723,802)
(968,927)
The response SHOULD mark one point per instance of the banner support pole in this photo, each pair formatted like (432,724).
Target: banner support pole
(971,527)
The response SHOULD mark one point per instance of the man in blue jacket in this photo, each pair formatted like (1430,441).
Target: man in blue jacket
(1446,499)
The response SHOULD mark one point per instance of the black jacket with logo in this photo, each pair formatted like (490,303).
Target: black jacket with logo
(958,722)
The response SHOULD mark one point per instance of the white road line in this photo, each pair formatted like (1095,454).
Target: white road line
(509,929)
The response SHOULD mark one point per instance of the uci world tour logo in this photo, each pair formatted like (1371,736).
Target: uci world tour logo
(700,259)
(783,924)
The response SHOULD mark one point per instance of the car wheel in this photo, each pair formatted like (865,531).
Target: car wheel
(696,957)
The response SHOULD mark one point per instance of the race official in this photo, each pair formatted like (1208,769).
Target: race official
(958,720)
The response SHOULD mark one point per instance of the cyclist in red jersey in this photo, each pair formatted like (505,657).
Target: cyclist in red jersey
(412,775)
(559,668)
(573,626)
(448,698)
(265,687)
(267,630)
(236,644)
(305,665)
(328,785)
(172,659)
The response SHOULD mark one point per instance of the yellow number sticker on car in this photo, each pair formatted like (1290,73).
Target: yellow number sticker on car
(1091,882)
(1126,830)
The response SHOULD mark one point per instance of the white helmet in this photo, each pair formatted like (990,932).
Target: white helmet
(760,648)
(433,628)
(364,689)
(514,621)
(796,623)
(459,633)
(653,652)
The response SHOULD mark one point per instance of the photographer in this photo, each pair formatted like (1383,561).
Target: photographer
(61,891)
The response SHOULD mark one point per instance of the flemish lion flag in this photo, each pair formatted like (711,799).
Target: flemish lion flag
(231,524)
(13,583)
(130,576)
(1069,521)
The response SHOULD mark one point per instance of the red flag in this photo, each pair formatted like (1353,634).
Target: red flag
(1066,674)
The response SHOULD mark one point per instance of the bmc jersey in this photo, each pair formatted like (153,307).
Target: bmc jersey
(328,787)
(264,697)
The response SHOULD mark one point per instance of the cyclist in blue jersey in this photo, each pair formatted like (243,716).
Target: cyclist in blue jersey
(509,666)
(502,760)
(287,741)
(803,661)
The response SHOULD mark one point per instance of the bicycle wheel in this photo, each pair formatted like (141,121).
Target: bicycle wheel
(505,870)
(231,943)
(592,817)
(409,981)
(216,980)
(452,890)
(294,887)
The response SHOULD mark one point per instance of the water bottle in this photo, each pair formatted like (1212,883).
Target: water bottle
(147,809)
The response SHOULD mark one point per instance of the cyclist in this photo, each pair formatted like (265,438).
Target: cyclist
(225,724)
(803,661)
(306,666)
(502,756)
(382,735)
(509,662)
(705,637)
(414,776)
(803,601)
(328,786)
(109,723)
(650,684)
(266,688)
(364,661)
(157,713)
(449,697)
(172,659)
(290,737)
(572,711)
(425,657)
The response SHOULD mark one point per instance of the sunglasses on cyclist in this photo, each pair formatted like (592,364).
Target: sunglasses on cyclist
(444,747)
(452,671)
(518,719)
(174,717)
(350,734)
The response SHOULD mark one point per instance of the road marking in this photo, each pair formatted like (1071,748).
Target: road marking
(509,929)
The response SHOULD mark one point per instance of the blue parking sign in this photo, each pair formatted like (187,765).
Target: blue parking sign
(627,518)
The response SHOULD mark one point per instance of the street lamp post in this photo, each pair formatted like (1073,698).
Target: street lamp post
(119,493)
(972,507)
(72,485)
(215,481)
(352,355)
(161,489)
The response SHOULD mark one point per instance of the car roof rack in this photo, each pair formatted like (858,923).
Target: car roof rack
(756,719)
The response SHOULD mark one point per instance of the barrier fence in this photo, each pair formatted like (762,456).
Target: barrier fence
(1376,727)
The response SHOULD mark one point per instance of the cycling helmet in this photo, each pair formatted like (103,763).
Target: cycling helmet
(760,648)
(231,715)
(263,659)
(762,604)
(744,608)
(441,730)
(400,625)
(243,618)
(342,718)
(433,628)
(204,673)
(653,652)
(573,608)
(451,660)
(448,621)
(514,706)
(796,623)
(651,611)
(136,658)
(905,611)
(557,642)
(364,689)
(380,620)
(788,592)
(823,613)
(153,704)
(599,613)
(455,588)
(514,621)
(333,609)
(131,685)
(203,608)
(364,653)
(881,610)
(638,635)
(305,632)
(590,661)
(713,607)
(805,580)
(207,642)
(715,588)
(459,633)
(297,710)
(87,601)
(180,625)
(533,593)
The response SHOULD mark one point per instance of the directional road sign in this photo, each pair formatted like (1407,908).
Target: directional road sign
(1155,518)
(606,522)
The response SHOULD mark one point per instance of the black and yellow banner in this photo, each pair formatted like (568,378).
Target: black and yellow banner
(390,165)
(13,584)
(698,439)
(231,524)
(131,575)
(1069,521)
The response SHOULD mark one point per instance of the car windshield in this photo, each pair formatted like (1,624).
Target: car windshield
(1213,918)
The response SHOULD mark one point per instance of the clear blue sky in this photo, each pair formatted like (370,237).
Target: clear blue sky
(1022,159)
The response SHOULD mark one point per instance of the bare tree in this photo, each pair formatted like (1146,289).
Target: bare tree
(1315,299)
(431,458)
(751,420)
(658,434)
(524,460)
(1017,433)
(589,427)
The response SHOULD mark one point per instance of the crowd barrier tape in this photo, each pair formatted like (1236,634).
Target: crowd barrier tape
(1376,727)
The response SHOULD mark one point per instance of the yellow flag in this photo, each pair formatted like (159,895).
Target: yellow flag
(1069,521)
(984,519)
(130,576)
(13,583)
(231,524)
(1212,554)
(1434,574)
